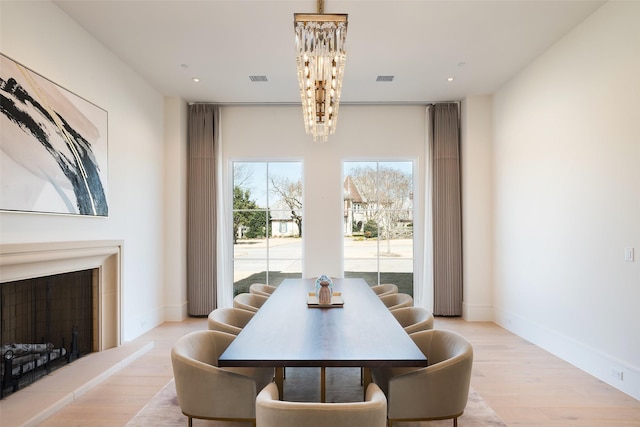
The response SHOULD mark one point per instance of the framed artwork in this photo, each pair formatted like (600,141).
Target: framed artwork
(53,146)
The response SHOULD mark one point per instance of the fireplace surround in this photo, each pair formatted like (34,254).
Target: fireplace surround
(21,261)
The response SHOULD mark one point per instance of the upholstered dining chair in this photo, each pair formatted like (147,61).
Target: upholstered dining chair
(208,392)
(414,319)
(385,289)
(262,289)
(437,392)
(248,301)
(272,412)
(229,320)
(395,301)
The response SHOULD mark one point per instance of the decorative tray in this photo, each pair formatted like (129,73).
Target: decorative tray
(336,301)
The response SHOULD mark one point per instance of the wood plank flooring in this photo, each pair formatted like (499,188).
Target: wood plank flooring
(525,385)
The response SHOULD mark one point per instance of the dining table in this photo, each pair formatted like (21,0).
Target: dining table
(289,330)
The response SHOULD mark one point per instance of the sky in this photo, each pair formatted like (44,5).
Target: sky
(255,175)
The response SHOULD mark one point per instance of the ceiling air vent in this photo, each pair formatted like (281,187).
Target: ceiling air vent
(258,78)
(384,78)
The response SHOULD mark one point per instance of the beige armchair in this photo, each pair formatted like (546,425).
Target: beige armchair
(250,302)
(395,301)
(261,289)
(229,320)
(413,319)
(271,412)
(208,392)
(439,391)
(385,289)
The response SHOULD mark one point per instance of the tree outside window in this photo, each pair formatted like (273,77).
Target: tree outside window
(378,222)
(267,222)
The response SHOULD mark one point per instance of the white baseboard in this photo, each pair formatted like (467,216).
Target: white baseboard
(619,374)
(175,313)
(477,313)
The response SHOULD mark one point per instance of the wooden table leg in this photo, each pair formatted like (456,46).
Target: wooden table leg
(279,379)
(323,384)
(366,380)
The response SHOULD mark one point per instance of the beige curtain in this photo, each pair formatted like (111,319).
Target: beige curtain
(447,214)
(201,210)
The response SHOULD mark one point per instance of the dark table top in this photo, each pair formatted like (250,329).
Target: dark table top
(286,333)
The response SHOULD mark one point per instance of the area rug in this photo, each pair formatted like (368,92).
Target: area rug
(303,384)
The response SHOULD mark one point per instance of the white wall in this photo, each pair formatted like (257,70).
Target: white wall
(374,132)
(175,208)
(567,197)
(477,228)
(43,38)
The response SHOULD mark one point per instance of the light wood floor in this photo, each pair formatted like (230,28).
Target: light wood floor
(525,385)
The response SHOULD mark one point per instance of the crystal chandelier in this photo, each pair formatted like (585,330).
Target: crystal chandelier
(320,57)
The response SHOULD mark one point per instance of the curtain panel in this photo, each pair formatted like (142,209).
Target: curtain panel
(201,209)
(446,209)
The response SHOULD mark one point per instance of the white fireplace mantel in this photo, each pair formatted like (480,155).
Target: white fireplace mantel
(19,261)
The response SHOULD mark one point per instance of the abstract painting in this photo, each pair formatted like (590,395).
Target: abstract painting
(53,146)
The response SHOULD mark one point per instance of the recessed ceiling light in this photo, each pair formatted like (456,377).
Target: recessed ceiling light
(450,79)
(195,79)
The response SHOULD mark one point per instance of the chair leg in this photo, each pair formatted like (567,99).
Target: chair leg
(190,421)
(455,422)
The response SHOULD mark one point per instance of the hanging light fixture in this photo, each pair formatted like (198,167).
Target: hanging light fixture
(320,58)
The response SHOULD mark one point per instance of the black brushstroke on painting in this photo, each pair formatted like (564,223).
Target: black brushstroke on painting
(70,166)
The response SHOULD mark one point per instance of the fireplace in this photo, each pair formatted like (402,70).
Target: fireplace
(43,277)
(45,322)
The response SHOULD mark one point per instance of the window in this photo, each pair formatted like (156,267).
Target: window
(267,223)
(378,222)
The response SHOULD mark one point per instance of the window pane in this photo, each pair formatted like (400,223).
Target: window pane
(276,277)
(246,272)
(378,221)
(396,249)
(285,249)
(362,268)
(267,221)
(358,247)
(250,225)
(285,223)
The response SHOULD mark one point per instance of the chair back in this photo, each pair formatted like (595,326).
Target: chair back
(200,347)
(395,301)
(250,302)
(261,289)
(206,391)
(229,320)
(385,289)
(272,412)
(414,319)
(440,390)
(194,358)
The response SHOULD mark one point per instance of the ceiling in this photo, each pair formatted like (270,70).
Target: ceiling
(480,44)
